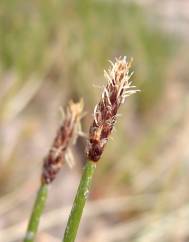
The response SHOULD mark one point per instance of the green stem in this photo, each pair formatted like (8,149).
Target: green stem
(79,202)
(36,213)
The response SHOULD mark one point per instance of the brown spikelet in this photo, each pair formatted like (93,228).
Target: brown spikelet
(66,134)
(105,113)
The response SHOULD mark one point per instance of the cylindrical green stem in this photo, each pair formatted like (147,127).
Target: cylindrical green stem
(79,202)
(36,213)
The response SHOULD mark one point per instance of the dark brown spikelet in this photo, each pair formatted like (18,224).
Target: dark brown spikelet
(66,135)
(105,113)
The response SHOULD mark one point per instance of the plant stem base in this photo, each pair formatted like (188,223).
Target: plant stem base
(36,213)
(79,202)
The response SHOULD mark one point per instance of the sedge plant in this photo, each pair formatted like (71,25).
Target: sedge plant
(118,87)
(53,162)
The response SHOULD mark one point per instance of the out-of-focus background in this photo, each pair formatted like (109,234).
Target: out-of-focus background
(52,51)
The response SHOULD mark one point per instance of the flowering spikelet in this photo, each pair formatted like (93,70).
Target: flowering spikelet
(66,135)
(105,113)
